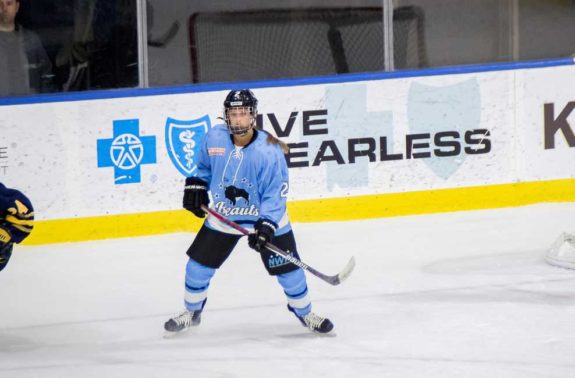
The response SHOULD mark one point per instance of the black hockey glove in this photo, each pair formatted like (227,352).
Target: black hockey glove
(18,216)
(6,245)
(196,195)
(264,230)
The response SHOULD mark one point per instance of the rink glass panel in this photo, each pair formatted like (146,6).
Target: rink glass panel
(94,44)
(91,44)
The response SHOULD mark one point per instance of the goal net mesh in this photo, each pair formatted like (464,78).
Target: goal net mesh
(271,44)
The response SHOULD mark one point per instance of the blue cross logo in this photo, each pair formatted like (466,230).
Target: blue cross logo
(126,151)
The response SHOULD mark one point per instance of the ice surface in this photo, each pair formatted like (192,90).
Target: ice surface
(450,295)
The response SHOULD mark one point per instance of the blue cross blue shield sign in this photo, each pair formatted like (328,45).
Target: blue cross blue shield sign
(183,142)
(454,107)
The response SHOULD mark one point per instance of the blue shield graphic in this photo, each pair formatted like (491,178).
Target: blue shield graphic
(183,141)
(450,108)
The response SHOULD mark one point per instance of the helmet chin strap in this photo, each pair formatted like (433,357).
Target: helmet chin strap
(240,131)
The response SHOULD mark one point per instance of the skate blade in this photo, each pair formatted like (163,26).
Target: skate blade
(171,335)
(328,334)
(309,335)
(331,333)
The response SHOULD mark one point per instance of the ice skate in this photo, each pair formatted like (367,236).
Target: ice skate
(182,322)
(314,323)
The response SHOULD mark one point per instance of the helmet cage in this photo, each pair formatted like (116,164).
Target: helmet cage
(240,130)
(240,99)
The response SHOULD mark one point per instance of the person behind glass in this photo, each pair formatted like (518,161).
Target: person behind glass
(16,221)
(24,65)
(246,172)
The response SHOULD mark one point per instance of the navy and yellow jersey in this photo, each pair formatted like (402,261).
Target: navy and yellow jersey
(16,213)
(246,183)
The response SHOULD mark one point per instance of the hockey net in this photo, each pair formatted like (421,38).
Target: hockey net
(562,251)
(282,43)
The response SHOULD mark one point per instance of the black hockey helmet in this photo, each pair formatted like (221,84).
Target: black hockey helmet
(242,98)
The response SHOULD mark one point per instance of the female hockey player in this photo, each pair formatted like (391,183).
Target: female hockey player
(16,221)
(245,170)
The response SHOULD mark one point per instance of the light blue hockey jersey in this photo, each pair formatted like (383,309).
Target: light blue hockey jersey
(246,183)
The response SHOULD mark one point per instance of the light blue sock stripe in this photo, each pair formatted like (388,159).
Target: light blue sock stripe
(193,306)
(295,287)
(293,283)
(302,311)
(299,295)
(197,282)
(198,275)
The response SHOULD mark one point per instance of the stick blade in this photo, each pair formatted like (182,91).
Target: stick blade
(341,276)
(346,272)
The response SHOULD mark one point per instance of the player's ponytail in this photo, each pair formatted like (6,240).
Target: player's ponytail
(273,140)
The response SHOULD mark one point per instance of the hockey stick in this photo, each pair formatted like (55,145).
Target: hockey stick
(333,280)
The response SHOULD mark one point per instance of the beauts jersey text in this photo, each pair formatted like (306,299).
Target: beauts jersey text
(246,183)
